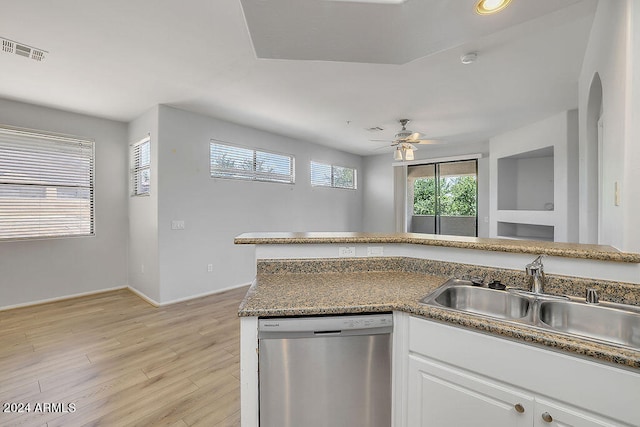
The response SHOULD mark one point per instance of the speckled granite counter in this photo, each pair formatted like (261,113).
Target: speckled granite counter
(333,286)
(570,250)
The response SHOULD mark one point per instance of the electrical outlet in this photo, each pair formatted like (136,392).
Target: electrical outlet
(375,250)
(142,268)
(346,251)
(210,268)
(177,225)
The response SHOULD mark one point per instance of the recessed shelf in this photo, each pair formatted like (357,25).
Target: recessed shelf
(515,230)
(525,181)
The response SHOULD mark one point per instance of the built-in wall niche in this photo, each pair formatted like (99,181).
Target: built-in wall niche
(514,230)
(525,181)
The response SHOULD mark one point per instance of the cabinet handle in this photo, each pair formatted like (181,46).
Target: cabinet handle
(519,408)
(547,417)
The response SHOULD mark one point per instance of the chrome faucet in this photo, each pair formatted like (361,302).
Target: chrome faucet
(535,271)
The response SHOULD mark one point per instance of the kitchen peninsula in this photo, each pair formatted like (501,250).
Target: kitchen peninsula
(303,274)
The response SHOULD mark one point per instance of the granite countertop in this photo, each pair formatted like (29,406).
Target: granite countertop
(293,292)
(570,250)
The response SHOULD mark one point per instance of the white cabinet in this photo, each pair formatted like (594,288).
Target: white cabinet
(443,396)
(553,414)
(457,377)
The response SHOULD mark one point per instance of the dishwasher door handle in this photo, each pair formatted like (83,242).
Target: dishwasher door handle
(327,333)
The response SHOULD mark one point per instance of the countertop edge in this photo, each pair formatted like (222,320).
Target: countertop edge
(594,252)
(524,334)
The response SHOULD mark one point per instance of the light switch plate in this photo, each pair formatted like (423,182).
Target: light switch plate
(177,225)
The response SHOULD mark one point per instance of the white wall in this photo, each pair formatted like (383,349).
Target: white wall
(630,191)
(378,209)
(379,202)
(557,131)
(37,270)
(607,54)
(216,210)
(144,267)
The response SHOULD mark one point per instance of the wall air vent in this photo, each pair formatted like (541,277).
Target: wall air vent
(22,49)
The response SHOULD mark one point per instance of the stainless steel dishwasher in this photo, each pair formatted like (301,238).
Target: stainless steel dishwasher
(325,371)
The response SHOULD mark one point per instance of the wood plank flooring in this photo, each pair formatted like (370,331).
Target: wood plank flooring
(114,360)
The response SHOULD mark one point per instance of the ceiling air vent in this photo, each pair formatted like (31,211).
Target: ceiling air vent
(22,49)
(8,46)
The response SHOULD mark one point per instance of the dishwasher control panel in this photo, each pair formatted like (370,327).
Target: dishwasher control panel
(380,323)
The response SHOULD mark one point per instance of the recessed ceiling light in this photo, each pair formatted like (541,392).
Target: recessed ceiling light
(487,7)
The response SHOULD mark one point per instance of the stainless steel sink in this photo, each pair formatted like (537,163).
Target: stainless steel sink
(604,322)
(460,295)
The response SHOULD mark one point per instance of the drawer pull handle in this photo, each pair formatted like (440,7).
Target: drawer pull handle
(519,408)
(547,417)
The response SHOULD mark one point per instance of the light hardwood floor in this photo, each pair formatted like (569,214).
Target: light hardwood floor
(122,362)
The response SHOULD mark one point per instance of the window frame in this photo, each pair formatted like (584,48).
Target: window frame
(333,176)
(85,151)
(136,170)
(252,174)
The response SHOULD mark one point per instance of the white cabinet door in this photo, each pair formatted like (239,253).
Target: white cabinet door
(551,414)
(442,396)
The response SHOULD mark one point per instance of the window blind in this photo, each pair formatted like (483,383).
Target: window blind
(232,161)
(46,185)
(141,167)
(333,176)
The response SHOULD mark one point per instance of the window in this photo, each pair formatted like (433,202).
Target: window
(46,185)
(443,198)
(333,176)
(141,167)
(232,161)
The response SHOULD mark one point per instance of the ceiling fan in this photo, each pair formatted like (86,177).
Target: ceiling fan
(405,142)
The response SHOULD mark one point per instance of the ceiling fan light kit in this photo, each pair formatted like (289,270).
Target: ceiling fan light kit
(404,142)
(408,154)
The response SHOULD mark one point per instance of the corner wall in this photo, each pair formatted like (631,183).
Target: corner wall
(144,268)
(38,270)
(607,54)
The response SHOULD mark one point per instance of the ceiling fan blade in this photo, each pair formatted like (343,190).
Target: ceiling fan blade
(428,141)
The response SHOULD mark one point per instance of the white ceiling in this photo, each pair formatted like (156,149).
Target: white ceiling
(328,70)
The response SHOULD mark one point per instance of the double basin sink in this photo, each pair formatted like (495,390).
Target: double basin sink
(608,323)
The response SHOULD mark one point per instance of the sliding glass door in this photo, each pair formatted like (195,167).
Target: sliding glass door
(443,198)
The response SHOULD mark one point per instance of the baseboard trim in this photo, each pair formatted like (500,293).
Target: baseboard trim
(62,298)
(205,294)
(135,291)
(142,296)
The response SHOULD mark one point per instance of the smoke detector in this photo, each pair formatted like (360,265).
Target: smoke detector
(469,58)
(22,49)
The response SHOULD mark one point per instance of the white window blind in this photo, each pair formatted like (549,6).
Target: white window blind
(232,161)
(333,176)
(141,167)
(46,185)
